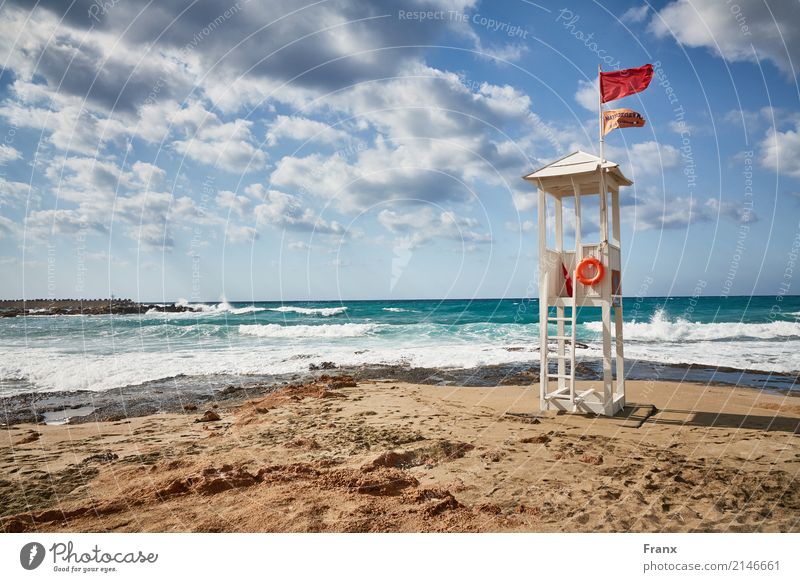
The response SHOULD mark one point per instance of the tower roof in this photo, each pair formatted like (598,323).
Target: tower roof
(577,163)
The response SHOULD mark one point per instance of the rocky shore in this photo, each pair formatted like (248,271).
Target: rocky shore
(19,307)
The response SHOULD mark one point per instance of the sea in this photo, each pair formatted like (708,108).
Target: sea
(750,341)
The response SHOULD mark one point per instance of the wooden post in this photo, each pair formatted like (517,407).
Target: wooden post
(603,207)
(620,381)
(562,382)
(543,300)
(615,226)
(607,394)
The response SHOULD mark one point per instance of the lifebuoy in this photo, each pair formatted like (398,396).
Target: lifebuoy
(600,271)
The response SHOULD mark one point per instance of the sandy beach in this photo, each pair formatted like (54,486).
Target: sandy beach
(337,455)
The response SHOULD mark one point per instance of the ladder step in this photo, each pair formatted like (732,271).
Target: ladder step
(559,319)
(567,376)
(557,396)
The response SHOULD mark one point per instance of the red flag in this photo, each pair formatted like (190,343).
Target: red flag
(620,118)
(618,84)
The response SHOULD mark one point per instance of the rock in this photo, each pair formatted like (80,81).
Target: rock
(31,437)
(189,407)
(539,439)
(493,455)
(209,416)
(394,459)
(592,459)
(105,457)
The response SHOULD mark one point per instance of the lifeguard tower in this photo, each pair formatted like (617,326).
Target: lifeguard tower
(587,276)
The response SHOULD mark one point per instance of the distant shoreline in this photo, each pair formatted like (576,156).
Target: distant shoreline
(17,307)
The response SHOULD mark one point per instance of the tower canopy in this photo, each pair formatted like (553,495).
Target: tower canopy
(580,169)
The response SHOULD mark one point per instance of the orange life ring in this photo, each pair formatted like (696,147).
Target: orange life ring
(598,267)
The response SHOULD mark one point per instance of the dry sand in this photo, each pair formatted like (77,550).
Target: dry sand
(387,456)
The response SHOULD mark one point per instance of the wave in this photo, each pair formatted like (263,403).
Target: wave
(321,311)
(344,330)
(660,329)
(395,309)
(222,307)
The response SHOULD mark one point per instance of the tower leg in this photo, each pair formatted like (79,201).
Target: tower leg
(608,397)
(543,346)
(562,382)
(620,384)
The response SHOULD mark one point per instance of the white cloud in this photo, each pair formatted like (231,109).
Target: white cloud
(7,227)
(287,211)
(240,234)
(747,30)
(731,211)
(588,95)
(780,151)
(436,141)
(299,245)
(635,14)
(228,146)
(239,205)
(302,129)
(524,226)
(14,193)
(8,154)
(668,213)
(645,159)
(425,224)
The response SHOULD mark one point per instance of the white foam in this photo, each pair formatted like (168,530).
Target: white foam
(205,308)
(343,330)
(395,309)
(321,311)
(661,329)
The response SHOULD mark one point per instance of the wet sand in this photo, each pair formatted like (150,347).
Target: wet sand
(377,456)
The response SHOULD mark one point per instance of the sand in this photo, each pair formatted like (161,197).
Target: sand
(377,456)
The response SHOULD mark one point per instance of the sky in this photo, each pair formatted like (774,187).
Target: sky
(284,150)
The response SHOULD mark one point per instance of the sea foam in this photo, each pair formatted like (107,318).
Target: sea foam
(343,330)
(321,311)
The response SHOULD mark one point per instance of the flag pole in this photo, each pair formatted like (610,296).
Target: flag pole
(602,153)
(600,113)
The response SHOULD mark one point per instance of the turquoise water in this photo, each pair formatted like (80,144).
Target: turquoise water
(102,352)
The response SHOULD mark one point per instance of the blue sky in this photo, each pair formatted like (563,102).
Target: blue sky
(277,150)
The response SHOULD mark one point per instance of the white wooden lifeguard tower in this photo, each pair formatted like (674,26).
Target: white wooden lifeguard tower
(566,181)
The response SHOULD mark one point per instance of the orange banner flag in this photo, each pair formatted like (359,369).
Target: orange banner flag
(620,118)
